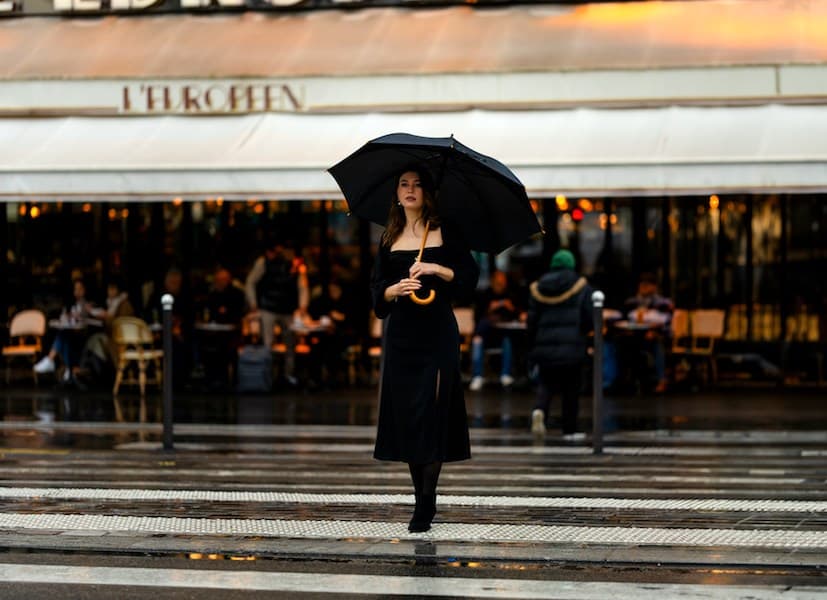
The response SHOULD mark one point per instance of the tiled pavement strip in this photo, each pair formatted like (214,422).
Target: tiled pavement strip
(707,498)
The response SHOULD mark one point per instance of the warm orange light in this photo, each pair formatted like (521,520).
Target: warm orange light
(585,204)
(22,210)
(219,201)
(714,202)
(113,214)
(562,202)
(258,208)
(535,206)
(34,212)
(701,25)
(177,201)
(124,213)
(87,207)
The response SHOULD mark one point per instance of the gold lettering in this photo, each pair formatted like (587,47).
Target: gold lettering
(191,101)
(211,101)
(294,100)
(127,104)
(156,95)
(234,97)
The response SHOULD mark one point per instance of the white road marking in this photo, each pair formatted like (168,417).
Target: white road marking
(105,524)
(392,585)
(143,495)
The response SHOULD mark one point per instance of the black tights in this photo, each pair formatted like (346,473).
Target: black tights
(425,477)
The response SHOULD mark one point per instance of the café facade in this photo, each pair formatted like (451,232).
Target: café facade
(138,135)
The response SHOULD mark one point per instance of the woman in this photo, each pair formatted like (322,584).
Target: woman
(422,417)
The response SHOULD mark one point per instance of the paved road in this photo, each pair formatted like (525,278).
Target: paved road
(303,511)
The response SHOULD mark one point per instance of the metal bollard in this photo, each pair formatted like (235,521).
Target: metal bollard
(167,301)
(597,381)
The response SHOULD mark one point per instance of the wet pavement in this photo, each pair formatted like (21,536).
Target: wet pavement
(715,495)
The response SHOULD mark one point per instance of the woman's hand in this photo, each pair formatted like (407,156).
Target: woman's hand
(404,287)
(418,269)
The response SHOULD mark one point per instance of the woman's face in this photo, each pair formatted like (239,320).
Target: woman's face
(409,191)
(79,290)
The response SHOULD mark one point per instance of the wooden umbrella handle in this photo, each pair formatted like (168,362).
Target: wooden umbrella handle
(432,294)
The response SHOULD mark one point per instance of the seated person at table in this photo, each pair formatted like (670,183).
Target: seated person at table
(648,307)
(183,318)
(67,344)
(99,351)
(494,305)
(333,309)
(225,305)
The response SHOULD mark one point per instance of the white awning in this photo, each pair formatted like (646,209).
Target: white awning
(671,150)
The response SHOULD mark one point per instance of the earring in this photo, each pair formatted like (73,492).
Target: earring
(398,203)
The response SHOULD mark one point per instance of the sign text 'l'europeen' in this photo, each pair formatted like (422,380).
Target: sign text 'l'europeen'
(210,98)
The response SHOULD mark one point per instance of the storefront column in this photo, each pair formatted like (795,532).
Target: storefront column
(4,266)
(362,292)
(551,239)
(640,263)
(324,249)
(666,246)
(782,275)
(749,276)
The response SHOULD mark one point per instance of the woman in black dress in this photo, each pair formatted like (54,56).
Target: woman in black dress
(422,418)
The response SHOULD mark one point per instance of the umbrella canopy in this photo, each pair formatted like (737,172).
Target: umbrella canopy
(476,193)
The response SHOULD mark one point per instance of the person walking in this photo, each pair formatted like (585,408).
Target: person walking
(422,419)
(558,325)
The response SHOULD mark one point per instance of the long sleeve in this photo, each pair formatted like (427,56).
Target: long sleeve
(379,283)
(253,277)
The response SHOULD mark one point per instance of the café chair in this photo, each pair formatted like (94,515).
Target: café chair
(134,345)
(706,327)
(28,327)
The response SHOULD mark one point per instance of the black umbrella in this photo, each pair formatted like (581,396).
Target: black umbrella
(477,193)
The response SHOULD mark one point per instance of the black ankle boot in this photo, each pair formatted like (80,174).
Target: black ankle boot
(423,513)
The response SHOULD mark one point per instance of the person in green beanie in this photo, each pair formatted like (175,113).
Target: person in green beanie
(558,326)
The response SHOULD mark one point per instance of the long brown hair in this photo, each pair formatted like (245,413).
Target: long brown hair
(396,216)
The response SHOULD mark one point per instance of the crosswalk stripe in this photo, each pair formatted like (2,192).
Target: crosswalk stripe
(391,585)
(132,494)
(440,532)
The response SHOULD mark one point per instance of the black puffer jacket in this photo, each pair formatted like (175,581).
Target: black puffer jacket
(559,318)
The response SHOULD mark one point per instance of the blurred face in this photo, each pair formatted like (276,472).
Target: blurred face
(79,291)
(647,289)
(409,191)
(499,282)
(112,291)
(173,283)
(222,280)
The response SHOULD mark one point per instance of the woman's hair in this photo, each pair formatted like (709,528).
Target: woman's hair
(396,216)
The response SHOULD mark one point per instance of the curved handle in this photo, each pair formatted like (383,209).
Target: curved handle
(432,294)
(422,301)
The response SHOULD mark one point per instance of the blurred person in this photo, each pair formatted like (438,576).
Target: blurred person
(335,311)
(559,324)
(67,344)
(496,304)
(277,288)
(648,307)
(183,319)
(99,353)
(224,305)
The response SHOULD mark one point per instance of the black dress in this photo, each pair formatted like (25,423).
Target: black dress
(422,415)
